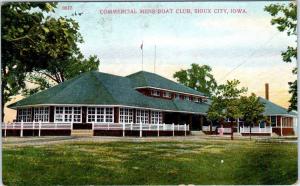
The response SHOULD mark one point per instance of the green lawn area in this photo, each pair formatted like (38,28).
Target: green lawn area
(244,162)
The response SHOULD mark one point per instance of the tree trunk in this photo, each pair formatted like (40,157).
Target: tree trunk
(250,131)
(2,106)
(231,125)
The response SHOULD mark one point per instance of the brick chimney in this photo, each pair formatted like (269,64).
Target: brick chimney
(267,91)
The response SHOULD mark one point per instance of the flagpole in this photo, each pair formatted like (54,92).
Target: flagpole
(154,57)
(142,59)
(142,48)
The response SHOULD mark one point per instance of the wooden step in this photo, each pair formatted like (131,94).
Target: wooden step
(82,133)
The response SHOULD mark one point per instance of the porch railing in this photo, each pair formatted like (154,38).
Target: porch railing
(141,127)
(267,129)
(95,126)
(207,128)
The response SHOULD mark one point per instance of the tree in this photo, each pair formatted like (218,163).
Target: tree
(198,78)
(32,42)
(252,110)
(226,102)
(285,19)
(58,72)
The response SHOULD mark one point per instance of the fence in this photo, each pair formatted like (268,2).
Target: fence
(141,127)
(256,130)
(207,128)
(96,126)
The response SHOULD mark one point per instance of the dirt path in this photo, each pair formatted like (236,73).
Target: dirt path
(17,141)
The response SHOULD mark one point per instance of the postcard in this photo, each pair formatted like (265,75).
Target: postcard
(149,93)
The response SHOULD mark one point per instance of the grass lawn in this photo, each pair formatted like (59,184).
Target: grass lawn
(83,163)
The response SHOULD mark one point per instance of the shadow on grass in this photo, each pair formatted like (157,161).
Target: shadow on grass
(268,165)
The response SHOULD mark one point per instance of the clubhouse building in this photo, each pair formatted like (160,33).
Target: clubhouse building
(141,104)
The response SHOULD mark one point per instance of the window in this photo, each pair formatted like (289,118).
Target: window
(198,100)
(156,117)
(155,93)
(24,115)
(142,116)
(41,114)
(67,114)
(167,94)
(176,96)
(100,115)
(126,115)
(273,121)
(77,115)
(186,98)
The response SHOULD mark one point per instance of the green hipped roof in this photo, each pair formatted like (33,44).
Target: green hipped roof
(273,109)
(147,79)
(95,88)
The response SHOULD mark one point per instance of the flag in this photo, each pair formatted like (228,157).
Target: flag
(142,46)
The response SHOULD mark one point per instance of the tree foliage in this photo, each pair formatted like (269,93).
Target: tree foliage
(252,109)
(198,78)
(32,43)
(225,103)
(285,19)
(58,72)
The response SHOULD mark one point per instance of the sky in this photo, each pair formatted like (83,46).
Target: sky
(242,46)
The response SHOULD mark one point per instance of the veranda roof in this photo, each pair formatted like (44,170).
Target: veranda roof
(96,88)
(272,109)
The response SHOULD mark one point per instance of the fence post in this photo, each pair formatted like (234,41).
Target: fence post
(33,127)
(173,129)
(141,130)
(157,129)
(185,129)
(21,132)
(131,125)
(123,129)
(40,126)
(5,129)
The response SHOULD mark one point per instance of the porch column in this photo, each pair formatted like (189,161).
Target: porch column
(84,113)
(190,119)
(281,126)
(32,114)
(134,115)
(201,121)
(116,114)
(51,114)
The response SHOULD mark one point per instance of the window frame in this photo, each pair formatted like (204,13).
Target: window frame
(167,94)
(70,114)
(25,116)
(98,114)
(42,113)
(142,116)
(155,93)
(122,115)
(156,116)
